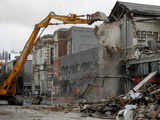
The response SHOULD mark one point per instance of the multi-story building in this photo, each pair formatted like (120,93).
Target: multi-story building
(139,38)
(50,48)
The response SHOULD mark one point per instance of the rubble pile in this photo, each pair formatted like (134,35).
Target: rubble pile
(107,108)
(148,106)
(140,103)
(143,104)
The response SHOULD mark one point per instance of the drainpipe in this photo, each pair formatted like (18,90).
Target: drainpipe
(126,35)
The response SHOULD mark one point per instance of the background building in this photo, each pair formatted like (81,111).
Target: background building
(42,64)
(26,73)
(49,50)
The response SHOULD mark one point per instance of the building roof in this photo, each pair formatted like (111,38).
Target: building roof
(144,10)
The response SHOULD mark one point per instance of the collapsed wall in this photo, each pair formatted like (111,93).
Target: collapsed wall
(108,35)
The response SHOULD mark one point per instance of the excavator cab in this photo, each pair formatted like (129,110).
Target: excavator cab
(18,98)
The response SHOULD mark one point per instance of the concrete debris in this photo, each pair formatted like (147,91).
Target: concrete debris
(136,95)
(143,104)
(107,108)
(100,16)
(127,114)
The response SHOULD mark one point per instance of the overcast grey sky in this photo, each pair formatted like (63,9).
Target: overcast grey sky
(18,17)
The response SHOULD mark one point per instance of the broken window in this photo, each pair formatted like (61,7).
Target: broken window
(141,35)
(155,34)
(144,36)
(147,35)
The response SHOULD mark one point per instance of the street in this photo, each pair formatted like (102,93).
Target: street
(20,113)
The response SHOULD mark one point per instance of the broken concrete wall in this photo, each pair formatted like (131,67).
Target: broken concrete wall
(109,53)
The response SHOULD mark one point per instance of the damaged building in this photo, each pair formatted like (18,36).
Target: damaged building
(111,58)
(140,38)
(128,48)
(132,33)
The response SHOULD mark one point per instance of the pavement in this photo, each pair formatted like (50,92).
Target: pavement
(8,112)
